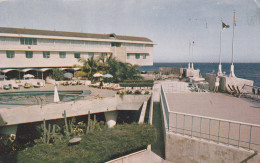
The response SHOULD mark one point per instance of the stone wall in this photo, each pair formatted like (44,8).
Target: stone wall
(191,72)
(225,81)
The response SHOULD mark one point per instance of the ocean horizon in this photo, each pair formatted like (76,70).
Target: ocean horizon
(250,71)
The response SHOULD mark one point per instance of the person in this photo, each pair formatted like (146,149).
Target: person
(101,84)
(216,83)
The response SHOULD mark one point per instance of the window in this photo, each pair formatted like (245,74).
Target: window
(90,54)
(103,54)
(62,54)
(137,56)
(144,56)
(117,44)
(28,41)
(128,56)
(76,55)
(29,54)
(10,54)
(46,54)
(22,41)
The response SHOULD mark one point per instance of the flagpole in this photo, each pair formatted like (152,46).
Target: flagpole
(220,66)
(189,56)
(232,68)
(192,67)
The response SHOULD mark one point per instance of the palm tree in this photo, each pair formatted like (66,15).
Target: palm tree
(120,71)
(90,66)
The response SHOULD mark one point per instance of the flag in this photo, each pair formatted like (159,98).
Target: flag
(224,25)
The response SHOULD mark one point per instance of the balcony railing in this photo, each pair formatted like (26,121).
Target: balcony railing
(238,134)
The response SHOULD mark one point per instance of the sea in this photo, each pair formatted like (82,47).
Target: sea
(249,71)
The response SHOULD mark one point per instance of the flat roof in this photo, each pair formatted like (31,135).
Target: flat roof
(71,34)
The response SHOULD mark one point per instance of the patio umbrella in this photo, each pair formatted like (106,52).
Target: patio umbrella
(28,76)
(68,75)
(108,76)
(56,94)
(97,75)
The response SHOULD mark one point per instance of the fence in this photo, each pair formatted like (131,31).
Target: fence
(238,134)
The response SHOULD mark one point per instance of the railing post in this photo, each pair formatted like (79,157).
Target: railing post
(250,137)
(200,126)
(209,128)
(228,131)
(239,136)
(218,129)
(184,124)
(176,123)
(191,125)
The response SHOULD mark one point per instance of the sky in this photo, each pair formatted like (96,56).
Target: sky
(170,24)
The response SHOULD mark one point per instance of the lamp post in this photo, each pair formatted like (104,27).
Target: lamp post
(232,68)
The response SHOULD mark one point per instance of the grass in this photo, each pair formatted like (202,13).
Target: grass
(95,147)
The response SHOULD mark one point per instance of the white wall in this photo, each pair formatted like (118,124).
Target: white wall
(70,47)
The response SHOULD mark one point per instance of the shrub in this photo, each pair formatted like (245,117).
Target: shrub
(57,74)
(138,81)
(136,84)
(129,92)
(98,146)
(137,92)
(147,92)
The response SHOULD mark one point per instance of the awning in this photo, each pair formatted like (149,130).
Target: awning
(27,69)
(70,68)
(44,69)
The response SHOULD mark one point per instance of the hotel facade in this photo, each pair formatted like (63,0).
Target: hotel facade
(40,50)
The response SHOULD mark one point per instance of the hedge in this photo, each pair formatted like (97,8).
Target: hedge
(138,81)
(136,84)
(98,146)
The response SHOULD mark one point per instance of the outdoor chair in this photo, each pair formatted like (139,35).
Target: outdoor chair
(16,86)
(117,87)
(6,87)
(66,83)
(27,85)
(231,91)
(73,82)
(36,85)
(79,83)
(236,93)
(94,85)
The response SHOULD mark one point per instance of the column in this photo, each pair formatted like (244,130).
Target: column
(111,118)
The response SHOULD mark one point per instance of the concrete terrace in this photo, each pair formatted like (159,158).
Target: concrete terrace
(100,100)
(191,106)
(217,105)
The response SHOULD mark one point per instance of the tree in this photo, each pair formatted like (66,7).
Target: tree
(57,74)
(80,74)
(90,67)
(119,70)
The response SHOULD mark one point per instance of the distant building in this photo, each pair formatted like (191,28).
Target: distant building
(41,49)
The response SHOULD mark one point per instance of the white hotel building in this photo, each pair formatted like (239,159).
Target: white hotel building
(24,50)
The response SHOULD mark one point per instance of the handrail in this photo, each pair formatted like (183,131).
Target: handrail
(217,119)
